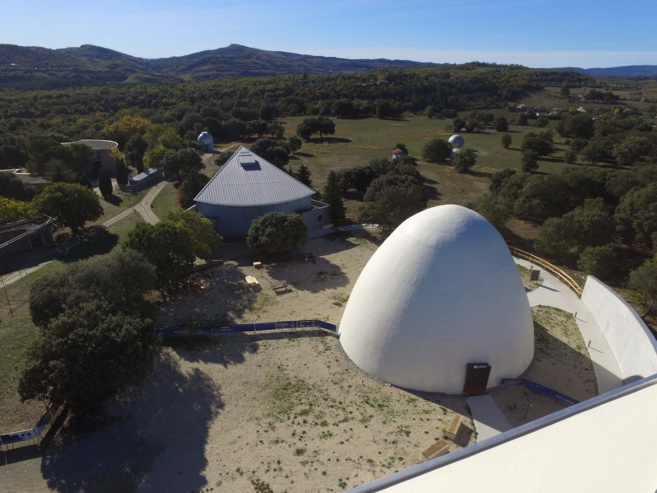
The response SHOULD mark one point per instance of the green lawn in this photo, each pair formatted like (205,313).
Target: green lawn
(117,203)
(357,141)
(166,201)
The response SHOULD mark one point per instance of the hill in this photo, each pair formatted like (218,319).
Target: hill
(35,67)
(624,71)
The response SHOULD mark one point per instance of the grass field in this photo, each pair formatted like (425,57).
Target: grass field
(117,203)
(166,201)
(356,142)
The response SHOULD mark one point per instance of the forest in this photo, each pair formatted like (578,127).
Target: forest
(599,208)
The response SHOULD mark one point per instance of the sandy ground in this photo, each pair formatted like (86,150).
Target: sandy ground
(284,410)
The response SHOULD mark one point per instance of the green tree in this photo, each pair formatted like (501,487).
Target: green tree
(570,157)
(541,144)
(333,198)
(204,238)
(598,261)
(304,131)
(495,209)
(343,108)
(303,174)
(121,172)
(166,245)
(15,210)
(556,238)
(436,150)
(58,172)
(464,160)
(175,163)
(632,149)
(193,182)
(97,331)
(565,90)
(390,200)
(272,151)
(529,160)
(643,283)
(71,203)
(277,233)
(105,184)
(294,143)
(636,214)
(501,124)
(506,141)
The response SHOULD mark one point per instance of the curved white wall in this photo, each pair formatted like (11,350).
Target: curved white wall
(441,292)
(634,347)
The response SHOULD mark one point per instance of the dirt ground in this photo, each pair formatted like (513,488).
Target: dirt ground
(287,411)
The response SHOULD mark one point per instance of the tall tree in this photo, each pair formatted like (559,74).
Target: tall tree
(105,184)
(392,199)
(121,171)
(166,245)
(72,204)
(204,238)
(192,183)
(303,174)
(333,198)
(465,159)
(97,331)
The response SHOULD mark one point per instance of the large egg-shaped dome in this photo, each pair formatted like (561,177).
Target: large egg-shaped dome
(441,292)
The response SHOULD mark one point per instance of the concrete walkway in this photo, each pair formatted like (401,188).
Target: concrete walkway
(488,419)
(556,294)
(143,208)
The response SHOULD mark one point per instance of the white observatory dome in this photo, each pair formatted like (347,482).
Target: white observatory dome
(457,141)
(206,141)
(441,292)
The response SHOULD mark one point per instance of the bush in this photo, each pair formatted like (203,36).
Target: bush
(598,261)
(436,150)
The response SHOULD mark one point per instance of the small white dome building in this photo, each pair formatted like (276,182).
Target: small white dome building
(457,141)
(206,141)
(440,293)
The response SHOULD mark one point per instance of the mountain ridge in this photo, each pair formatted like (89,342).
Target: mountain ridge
(34,67)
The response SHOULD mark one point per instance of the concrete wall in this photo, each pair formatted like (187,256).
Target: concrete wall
(633,345)
(317,217)
(235,221)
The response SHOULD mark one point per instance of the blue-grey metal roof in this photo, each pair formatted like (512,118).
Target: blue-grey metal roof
(249,180)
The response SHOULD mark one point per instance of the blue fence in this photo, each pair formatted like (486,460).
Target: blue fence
(29,435)
(237,328)
(541,389)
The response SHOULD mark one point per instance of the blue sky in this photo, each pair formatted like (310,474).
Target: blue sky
(535,33)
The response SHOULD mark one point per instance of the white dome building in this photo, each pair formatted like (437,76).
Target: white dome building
(206,141)
(457,141)
(440,293)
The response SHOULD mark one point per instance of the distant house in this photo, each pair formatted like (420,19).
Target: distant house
(398,154)
(103,157)
(248,187)
(21,236)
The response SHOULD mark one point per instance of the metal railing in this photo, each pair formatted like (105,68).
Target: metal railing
(552,269)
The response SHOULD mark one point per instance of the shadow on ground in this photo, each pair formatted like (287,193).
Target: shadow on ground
(151,439)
